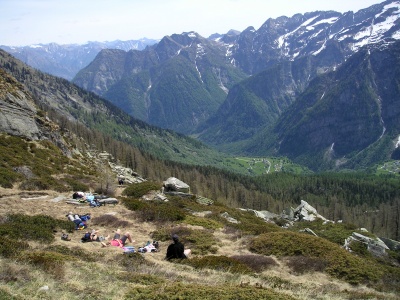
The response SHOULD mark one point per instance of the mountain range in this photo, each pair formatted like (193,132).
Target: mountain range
(320,87)
(66,60)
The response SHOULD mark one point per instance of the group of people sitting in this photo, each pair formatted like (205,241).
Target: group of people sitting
(176,250)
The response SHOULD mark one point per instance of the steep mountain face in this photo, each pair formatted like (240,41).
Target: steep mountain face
(176,84)
(17,110)
(66,60)
(288,53)
(287,38)
(258,101)
(347,118)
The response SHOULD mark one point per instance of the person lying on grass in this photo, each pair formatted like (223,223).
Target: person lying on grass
(118,239)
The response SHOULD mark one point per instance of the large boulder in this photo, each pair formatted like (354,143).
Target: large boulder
(173,184)
(307,213)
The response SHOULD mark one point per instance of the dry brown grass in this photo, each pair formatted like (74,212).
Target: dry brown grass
(111,276)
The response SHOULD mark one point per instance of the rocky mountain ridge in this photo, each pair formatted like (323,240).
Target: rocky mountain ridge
(176,84)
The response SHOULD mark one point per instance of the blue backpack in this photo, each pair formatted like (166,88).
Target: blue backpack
(86,237)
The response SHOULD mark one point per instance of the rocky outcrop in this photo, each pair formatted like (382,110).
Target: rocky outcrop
(374,245)
(17,110)
(306,212)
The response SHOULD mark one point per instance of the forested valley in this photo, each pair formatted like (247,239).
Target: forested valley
(365,200)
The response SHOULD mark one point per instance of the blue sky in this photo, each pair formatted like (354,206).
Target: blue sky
(26,22)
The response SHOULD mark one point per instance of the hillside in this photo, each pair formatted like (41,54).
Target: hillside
(235,253)
(52,268)
(70,102)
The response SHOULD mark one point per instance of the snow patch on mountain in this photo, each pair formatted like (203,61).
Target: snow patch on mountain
(373,33)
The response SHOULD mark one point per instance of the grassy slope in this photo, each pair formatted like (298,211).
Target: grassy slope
(106,273)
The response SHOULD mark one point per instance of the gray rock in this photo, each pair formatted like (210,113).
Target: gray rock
(174,184)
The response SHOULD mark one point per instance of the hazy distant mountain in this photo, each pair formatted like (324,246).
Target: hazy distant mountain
(66,60)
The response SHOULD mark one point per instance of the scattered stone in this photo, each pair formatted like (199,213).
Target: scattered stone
(229,218)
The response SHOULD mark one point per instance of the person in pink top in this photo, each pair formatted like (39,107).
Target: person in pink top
(119,240)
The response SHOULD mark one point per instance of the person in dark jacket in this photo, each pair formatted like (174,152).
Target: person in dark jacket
(177,250)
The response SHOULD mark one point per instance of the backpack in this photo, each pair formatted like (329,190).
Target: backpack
(65,237)
(155,244)
(85,217)
(86,237)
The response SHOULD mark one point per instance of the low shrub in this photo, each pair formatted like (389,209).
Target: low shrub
(133,204)
(43,183)
(160,212)
(109,221)
(76,185)
(219,263)
(178,290)
(303,264)
(40,227)
(8,178)
(7,296)
(138,190)
(334,232)
(75,252)
(204,222)
(340,263)
(142,279)
(48,261)
(11,248)
(199,241)
(248,222)
(257,263)
(133,262)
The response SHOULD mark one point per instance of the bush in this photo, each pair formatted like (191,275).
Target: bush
(334,232)
(6,295)
(257,263)
(178,290)
(40,228)
(138,190)
(8,178)
(219,263)
(340,263)
(43,183)
(109,221)
(133,204)
(199,241)
(76,185)
(204,222)
(160,212)
(165,234)
(73,252)
(11,247)
(48,261)
(142,279)
(303,264)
